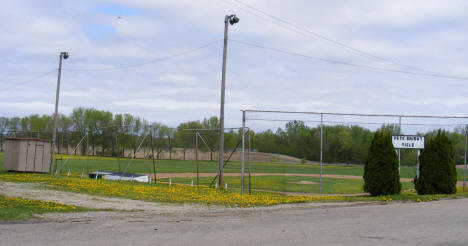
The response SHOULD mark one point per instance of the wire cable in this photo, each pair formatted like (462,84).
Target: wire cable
(148,62)
(348,63)
(28,80)
(317,36)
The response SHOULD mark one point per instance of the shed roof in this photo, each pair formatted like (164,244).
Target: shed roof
(29,139)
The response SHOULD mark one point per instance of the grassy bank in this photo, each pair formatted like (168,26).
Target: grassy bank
(12,208)
(193,195)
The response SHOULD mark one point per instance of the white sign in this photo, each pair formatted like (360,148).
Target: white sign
(408,142)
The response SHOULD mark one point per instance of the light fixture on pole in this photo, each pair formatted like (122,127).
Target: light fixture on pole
(63,55)
(231,19)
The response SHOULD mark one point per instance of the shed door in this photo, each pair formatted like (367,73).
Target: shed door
(39,157)
(30,156)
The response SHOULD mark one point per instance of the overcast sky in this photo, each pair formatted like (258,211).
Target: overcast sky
(119,57)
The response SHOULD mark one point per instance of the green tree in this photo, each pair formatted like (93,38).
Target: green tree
(437,171)
(381,167)
(3,129)
(185,137)
(64,124)
(79,127)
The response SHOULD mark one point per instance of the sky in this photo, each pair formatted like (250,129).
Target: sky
(161,60)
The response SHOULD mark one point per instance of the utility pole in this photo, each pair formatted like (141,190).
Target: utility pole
(63,55)
(231,19)
(152,155)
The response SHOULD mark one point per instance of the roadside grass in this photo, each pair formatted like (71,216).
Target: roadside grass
(298,184)
(194,195)
(155,192)
(13,208)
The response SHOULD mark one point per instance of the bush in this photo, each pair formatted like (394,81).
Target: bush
(437,171)
(381,175)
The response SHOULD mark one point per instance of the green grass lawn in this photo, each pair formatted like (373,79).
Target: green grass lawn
(181,166)
(12,208)
(290,184)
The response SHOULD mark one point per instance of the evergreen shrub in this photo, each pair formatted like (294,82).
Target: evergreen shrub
(381,175)
(437,170)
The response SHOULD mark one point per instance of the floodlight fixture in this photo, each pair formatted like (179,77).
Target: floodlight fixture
(233,19)
(65,55)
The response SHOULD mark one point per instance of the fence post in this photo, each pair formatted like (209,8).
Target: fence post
(399,150)
(248,163)
(87,155)
(321,150)
(417,171)
(152,156)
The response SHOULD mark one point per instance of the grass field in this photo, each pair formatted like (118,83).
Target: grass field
(78,165)
(12,208)
(298,184)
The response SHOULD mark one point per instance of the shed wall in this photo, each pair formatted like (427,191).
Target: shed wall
(27,155)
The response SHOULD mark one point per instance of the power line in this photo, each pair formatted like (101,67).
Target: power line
(348,63)
(316,36)
(150,61)
(29,80)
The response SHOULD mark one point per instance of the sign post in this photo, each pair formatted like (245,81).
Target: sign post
(409,142)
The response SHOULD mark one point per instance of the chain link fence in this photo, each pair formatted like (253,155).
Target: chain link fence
(328,150)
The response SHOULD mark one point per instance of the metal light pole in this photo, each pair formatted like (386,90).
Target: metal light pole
(243,152)
(321,150)
(63,55)
(464,164)
(231,19)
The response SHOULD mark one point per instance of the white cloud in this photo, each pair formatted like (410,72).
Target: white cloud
(423,34)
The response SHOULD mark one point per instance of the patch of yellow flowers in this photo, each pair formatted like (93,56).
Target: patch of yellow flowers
(162,192)
(34,205)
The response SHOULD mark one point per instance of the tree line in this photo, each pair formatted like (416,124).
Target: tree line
(115,134)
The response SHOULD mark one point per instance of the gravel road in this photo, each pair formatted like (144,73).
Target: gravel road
(432,223)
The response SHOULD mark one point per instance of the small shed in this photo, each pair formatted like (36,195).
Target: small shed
(27,155)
